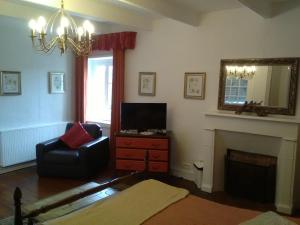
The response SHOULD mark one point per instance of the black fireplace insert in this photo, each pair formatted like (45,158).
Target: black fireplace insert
(251,176)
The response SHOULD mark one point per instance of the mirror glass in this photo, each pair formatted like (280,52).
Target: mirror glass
(270,82)
(267,84)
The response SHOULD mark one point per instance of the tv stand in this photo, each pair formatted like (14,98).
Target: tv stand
(137,152)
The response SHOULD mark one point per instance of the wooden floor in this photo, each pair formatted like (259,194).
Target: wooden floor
(35,188)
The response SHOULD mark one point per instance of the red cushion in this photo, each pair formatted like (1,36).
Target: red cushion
(76,136)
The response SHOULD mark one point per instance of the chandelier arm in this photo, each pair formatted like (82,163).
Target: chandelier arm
(76,50)
(51,21)
(73,44)
(47,46)
(37,47)
(73,24)
(47,50)
(82,48)
(40,48)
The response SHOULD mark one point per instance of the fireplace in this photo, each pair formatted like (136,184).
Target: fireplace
(272,136)
(250,175)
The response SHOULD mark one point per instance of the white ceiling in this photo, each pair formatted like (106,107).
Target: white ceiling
(201,6)
(142,13)
(204,6)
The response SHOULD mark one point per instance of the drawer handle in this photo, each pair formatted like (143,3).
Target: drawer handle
(128,155)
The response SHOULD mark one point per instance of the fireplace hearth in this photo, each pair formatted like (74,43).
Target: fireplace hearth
(250,175)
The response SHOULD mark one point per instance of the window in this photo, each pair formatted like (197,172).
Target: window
(99,89)
(236,91)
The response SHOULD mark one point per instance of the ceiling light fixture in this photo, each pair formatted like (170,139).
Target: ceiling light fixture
(61,31)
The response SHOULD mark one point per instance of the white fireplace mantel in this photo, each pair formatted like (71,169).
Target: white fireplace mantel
(253,117)
(285,129)
(269,126)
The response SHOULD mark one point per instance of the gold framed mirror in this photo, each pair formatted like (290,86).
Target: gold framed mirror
(270,82)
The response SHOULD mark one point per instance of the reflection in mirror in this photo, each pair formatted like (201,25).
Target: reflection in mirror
(266,84)
(270,82)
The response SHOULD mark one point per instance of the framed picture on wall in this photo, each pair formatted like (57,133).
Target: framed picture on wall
(194,85)
(10,83)
(56,82)
(147,83)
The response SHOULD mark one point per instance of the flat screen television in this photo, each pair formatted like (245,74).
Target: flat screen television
(143,116)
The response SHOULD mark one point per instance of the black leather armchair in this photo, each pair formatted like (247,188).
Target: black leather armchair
(54,158)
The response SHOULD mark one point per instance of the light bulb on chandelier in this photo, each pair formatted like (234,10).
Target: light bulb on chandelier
(61,31)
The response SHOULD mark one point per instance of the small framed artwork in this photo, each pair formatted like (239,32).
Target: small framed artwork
(10,83)
(147,82)
(56,82)
(194,85)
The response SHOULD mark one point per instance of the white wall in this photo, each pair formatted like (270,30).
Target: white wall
(173,48)
(35,106)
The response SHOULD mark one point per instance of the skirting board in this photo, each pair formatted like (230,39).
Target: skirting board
(186,174)
(189,175)
(206,188)
(16,167)
(284,209)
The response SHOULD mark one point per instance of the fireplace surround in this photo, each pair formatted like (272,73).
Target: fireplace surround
(282,136)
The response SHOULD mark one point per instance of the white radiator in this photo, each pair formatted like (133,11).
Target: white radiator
(18,145)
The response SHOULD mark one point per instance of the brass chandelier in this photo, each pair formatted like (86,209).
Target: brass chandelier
(61,31)
(241,72)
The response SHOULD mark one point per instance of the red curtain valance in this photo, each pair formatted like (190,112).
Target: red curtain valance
(121,40)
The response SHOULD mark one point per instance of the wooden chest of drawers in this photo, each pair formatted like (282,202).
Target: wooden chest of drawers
(139,153)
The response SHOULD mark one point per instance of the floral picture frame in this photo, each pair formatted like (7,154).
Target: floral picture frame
(56,82)
(147,83)
(194,85)
(10,83)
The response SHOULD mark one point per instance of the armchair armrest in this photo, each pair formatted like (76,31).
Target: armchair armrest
(92,143)
(96,152)
(44,147)
(48,145)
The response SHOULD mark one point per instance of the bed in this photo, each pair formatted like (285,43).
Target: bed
(151,202)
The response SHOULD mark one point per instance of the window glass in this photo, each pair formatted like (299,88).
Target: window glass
(235,91)
(99,89)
